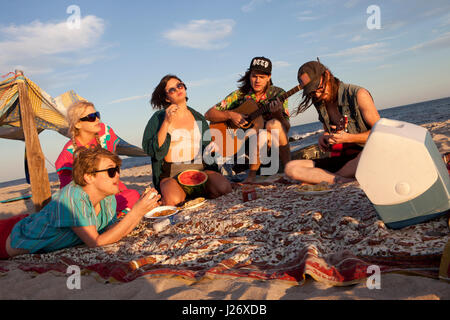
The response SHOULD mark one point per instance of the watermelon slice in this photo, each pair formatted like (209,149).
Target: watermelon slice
(193,182)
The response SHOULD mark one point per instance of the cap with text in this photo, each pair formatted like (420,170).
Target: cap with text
(261,64)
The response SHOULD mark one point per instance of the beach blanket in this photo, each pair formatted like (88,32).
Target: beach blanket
(334,236)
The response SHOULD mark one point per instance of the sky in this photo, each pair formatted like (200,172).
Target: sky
(114,53)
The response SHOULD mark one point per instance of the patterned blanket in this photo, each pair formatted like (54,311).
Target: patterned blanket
(332,236)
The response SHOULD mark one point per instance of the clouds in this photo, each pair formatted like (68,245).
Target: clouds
(281,64)
(441,42)
(41,47)
(207,34)
(367,50)
(201,34)
(308,15)
(253,4)
(132,98)
(51,38)
(382,51)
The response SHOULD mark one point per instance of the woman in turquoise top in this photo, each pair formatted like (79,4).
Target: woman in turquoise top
(82,212)
(176,137)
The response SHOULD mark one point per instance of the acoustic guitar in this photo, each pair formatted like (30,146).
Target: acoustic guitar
(230,137)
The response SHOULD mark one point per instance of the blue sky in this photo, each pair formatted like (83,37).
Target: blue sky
(123,49)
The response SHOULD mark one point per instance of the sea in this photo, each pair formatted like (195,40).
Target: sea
(307,134)
(417,113)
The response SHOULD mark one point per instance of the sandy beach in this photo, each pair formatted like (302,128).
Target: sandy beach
(17,284)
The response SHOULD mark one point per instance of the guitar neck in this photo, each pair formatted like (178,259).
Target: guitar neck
(286,95)
(264,106)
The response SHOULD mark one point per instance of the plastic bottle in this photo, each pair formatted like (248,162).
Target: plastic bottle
(172,220)
(160,225)
(178,218)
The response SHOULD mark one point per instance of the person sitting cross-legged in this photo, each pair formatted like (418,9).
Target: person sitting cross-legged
(334,100)
(177,138)
(271,128)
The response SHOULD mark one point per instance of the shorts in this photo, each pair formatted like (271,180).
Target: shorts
(334,164)
(173,169)
(6,226)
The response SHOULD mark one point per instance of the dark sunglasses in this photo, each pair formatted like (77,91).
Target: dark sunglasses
(111,171)
(179,86)
(91,117)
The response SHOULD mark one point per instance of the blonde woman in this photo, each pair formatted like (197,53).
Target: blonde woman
(87,131)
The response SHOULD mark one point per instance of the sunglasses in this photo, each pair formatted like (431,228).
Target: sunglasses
(91,117)
(111,171)
(179,86)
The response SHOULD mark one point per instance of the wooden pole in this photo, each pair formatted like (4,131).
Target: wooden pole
(40,185)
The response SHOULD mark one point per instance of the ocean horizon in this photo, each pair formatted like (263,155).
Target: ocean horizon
(304,135)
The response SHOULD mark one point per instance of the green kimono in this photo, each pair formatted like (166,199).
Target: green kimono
(151,146)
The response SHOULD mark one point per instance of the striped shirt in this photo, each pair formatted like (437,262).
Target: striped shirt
(51,228)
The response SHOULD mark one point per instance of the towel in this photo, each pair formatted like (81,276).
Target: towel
(6,226)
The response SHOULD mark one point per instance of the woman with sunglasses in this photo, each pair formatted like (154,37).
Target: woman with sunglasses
(175,138)
(86,130)
(84,211)
(347,113)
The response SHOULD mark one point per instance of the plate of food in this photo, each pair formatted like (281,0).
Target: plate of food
(319,188)
(195,203)
(161,212)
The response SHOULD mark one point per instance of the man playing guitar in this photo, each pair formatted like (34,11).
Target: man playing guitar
(257,85)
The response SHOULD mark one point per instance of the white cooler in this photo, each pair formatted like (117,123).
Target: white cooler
(403,175)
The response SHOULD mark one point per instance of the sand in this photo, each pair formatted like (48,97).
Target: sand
(17,284)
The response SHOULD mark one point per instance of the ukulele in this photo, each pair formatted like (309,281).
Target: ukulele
(227,132)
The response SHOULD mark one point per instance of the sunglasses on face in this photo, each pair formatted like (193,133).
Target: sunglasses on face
(111,171)
(91,117)
(179,86)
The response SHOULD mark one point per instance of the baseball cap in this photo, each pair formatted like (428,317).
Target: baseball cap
(261,64)
(314,70)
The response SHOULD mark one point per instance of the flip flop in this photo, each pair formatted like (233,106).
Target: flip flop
(16,199)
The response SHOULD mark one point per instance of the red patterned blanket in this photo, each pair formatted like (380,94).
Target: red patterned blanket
(332,236)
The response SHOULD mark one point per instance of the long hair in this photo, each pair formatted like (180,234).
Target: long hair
(310,100)
(74,113)
(159,95)
(245,85)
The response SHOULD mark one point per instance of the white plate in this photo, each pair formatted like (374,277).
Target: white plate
(150,214)
(195,205)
